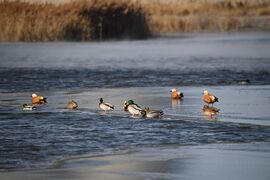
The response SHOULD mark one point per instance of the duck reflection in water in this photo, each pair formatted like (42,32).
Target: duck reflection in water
(175,103)
(210,112)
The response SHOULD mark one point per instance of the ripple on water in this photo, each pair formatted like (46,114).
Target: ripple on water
(31,140)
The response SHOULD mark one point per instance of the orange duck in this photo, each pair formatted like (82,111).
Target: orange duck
(38,99)
(176,94)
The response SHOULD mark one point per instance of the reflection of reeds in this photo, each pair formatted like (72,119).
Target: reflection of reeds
(101,19)
(71,21)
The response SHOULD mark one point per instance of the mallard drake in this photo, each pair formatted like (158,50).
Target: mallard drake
(210,111)
(150,113)
(209,98)
(27,107)
(72,104)
(176,94)
(38,99)
(133,108)
(105,106)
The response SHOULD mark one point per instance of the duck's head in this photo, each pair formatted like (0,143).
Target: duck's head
(173,90)
(34,95)
(101,100)
(130,102)
(205,92)
(24,105)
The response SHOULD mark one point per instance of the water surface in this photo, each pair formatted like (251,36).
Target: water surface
(144,71)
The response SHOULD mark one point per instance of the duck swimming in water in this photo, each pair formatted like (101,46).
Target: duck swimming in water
(133,108)
(27,107)
(105,106)
(176,94)
(150,113)
(209,98)
(72,104)
(38,99)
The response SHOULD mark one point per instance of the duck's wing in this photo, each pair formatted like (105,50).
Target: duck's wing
(135,106)
(160,112)
(109,105)
(41,98)
(207,98)
(213,98)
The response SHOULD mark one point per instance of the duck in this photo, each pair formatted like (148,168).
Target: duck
(105,106)
(209,98)
(150,113)
(72,104)
(27,107)
(133,108)
(38,99)
(176,94)
(210,111)
(243,81)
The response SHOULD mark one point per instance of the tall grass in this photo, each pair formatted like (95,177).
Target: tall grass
(207,15)
(86,20)
(79,21)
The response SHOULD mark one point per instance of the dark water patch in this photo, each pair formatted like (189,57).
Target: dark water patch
(31,141)
(19,80)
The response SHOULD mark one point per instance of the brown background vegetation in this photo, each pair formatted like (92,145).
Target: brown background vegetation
(105,19)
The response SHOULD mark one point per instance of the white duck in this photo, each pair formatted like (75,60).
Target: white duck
(105,106)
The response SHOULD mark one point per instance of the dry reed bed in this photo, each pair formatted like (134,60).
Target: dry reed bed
(91,19)
(207,15)
(79,21)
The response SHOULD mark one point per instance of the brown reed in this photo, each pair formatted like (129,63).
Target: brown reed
(104,19)
(78,21)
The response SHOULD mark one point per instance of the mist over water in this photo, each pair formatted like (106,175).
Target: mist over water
(115,71)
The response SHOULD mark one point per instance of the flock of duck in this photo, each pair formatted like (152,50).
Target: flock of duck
(131,107)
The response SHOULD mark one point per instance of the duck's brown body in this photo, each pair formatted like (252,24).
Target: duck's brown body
(209,98)
(72,105)
(176,94)
(38,99)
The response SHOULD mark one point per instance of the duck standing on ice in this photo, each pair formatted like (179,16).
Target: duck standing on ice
(209,98)
(105,106)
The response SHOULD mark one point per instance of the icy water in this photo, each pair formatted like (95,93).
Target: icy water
(144,71)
